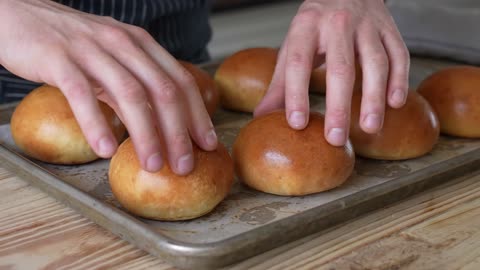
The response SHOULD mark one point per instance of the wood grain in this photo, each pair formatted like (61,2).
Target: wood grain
(392,238)
(438,229)
(37,232)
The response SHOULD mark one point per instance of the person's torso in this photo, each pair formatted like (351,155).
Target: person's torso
(181,26)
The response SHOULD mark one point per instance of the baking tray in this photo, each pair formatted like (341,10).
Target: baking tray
(247,222)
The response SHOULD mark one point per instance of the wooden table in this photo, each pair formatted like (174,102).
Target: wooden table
(437,229)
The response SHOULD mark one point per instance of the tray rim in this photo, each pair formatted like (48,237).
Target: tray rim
(247,244)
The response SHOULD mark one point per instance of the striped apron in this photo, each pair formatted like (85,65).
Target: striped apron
(180,26)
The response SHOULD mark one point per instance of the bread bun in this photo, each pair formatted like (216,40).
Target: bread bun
(43,127)
(454,94)
(207,87)
(272,157)
(166,196)
(244,78)
(408,132)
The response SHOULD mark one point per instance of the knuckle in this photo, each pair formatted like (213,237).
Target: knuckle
(146,140)
(187,79)
(343,70)
(109,19)
(166,93)
(379,60)
(141,34)
(115,34)
(74,90)
(341,18)
(297,60)
(339,114)
(132,92)
(181,139)
(305,17)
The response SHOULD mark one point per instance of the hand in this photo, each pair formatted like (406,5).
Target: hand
(339,31)
(156,98)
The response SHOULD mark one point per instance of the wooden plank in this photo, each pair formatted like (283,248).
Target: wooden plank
(380,240)
(439,228)
(37,232)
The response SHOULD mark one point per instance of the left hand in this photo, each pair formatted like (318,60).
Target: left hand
(340,31)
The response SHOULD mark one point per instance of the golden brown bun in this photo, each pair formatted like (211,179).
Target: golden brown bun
(318,80)
(454,94)
(44,127)
(208,89)
(244,77)
(272,157)
(165,195)
(408,132)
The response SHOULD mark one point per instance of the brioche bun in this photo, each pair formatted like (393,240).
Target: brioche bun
(454,94)
(244,77)
(270,156)
(166,196)
(408,132)
(206,85)
(43,127)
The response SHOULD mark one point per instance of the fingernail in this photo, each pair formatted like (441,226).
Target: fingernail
(372,121)
(297,119)
(185,164)
(336,136)
(154,162)
(106,147)
(398,96)
(211,138)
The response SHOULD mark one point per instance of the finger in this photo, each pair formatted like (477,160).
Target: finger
(165,98)
(302,44)
(169,111)
(74,85)
(132,102)
(374,62)
(399,59)
(198,119)
(274,99)
(340,78)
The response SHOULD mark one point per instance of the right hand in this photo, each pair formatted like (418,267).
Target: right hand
(340,32)
(157,99)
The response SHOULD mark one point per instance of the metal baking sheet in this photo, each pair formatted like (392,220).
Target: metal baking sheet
(247,222)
